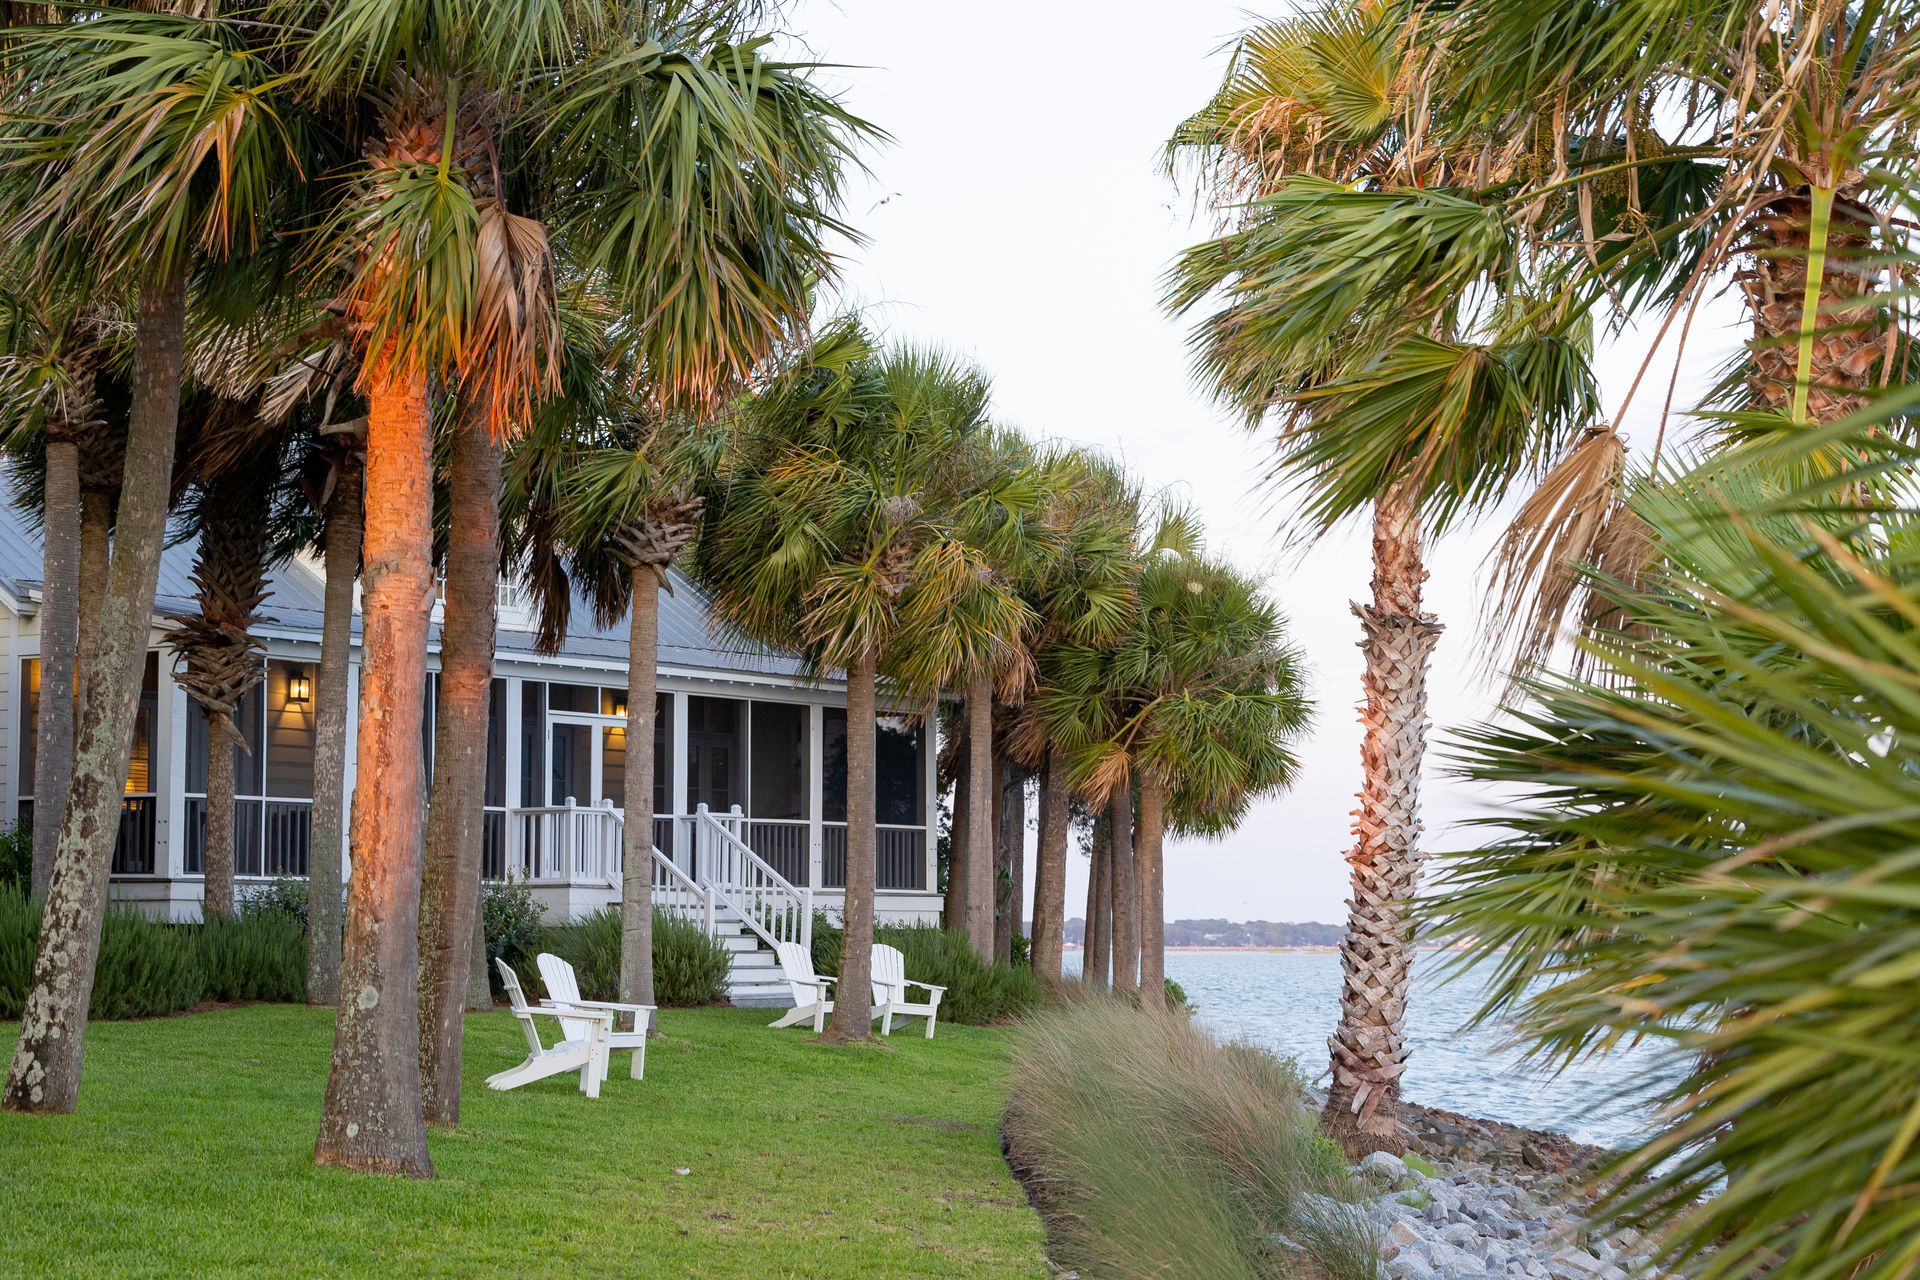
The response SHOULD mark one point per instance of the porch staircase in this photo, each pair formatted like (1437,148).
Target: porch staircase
(740,900)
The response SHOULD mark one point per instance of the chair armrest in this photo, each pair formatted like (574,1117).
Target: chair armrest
(924,986)
(822,981)
(558,1009)
(615,1006)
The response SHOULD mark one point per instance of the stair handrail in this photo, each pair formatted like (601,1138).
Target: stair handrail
(769,904)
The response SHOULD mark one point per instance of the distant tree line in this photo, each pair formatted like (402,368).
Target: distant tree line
(1233,933)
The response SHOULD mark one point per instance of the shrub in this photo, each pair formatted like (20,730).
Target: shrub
(1152,1150)
(689,968)
(261,954)
(511,919)
(284,896)
(16,854)
(977,992)
(147,969)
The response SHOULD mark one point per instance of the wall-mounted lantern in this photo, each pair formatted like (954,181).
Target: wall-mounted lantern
(299,687)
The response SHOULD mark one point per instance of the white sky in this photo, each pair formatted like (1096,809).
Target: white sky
(1020,218)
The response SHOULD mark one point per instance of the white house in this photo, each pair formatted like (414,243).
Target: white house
(750,774)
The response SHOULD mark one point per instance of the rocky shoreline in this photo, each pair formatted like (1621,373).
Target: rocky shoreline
(1478,1198)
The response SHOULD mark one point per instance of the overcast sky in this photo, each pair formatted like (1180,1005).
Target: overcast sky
(1019,217)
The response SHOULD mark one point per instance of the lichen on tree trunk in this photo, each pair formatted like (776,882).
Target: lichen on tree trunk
(456,813)
(330,689)
(371,1119)
(59,649)
(45,1073)
(1368,1046)
(1050,871)
(1125,957)
(216,849)
(853,993)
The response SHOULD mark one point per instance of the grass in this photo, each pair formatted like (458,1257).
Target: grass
(190,1155)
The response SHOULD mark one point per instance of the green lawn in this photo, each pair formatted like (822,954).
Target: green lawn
(190,1155)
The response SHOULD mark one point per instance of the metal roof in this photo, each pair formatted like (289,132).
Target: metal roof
(689,637)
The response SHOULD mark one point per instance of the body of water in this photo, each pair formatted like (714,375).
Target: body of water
(1288,1002)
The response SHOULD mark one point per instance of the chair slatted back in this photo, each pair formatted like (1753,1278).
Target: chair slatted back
(517,1001)
(889,975)
(796,966)
(564,986)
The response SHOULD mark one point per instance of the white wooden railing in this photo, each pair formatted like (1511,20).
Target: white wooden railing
(566,843)
(765,900)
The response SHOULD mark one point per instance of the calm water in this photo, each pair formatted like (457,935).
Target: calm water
(1287,1002)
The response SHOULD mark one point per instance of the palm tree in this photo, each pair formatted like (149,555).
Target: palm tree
(51,385)
(1195,705)
(113,166)
(1706,843)
(1080,586)
(849,522)
(219,660)
(1371,296)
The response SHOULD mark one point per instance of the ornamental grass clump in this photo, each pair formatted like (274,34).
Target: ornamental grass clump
(1153,1150)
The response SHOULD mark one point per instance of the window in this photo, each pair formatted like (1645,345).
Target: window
(140,779)
(715,755)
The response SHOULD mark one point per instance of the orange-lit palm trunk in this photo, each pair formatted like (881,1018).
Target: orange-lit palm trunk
(1376,958)
(450,886)
(981,837)
(371,1118)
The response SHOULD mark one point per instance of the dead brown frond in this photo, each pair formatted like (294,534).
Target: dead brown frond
(1575,518)
(513,359)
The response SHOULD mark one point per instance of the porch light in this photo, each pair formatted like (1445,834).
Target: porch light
(299,686)
(619,705)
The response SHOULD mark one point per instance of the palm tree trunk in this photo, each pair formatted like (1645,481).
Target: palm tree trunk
(1050,872)
(479,980)
(1368,1048)
(96,545)
(853,993)
(371,1119)
(980,808)
(456,813)
(1002,861)
(330,688)
(1848,346)
(1126,893)
(59,647)
(957,912)
(45,1075)
(636,892)
(1148,851)
(216,848)
(1097,944)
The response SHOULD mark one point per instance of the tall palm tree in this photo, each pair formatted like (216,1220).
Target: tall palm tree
(1195,705)
(848,523)
(1081,588)
(1370,296)
(52,380)
(128,159)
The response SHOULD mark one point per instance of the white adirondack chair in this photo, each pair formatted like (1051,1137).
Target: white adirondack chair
(890,983)
(563,991)
(584,1050)
(811,996)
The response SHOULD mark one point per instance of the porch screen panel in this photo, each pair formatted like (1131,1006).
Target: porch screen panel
(778,765)
(289,734)
(29,722)
(493,795)
(533,743)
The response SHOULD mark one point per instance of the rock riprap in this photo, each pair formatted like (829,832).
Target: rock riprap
(1477,1199)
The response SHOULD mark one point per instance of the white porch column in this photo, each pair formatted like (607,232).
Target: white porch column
(816,790)
(170,776)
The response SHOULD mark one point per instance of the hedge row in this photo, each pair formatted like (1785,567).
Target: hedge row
(147,969)
(689,968)
(977,992)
